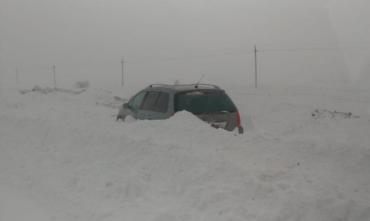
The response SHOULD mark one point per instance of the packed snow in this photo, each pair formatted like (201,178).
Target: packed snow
(64,157)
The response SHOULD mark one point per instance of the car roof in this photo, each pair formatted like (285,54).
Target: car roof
(183,87)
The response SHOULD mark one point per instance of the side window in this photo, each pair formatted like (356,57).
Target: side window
(136,101)
(150,100)
(156,101)
(162,102)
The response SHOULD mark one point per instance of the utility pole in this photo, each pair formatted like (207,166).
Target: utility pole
(54,77)
(255,66)
(16,75)
(123,71)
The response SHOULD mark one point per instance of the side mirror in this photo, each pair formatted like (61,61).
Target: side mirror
(126,105)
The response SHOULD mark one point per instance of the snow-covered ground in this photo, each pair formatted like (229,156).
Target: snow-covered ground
(63,157)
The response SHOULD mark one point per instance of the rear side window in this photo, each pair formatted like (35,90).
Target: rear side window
(204,101)
(162,102)
(155,101)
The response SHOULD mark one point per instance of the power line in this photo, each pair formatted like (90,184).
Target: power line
(251,51)
(314,49)
(189,57)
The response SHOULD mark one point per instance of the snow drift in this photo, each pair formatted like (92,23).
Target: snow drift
(63,157)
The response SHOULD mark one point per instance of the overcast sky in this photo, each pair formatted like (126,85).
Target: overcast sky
(173,39)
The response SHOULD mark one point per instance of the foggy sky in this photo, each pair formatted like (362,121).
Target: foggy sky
(167,39)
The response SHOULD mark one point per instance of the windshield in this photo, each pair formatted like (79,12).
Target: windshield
(204,101)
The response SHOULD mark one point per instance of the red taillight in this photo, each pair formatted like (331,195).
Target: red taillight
(238,120)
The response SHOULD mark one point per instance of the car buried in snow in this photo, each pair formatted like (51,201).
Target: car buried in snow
(208,102)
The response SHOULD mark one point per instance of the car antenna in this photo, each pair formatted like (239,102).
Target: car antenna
(200,79)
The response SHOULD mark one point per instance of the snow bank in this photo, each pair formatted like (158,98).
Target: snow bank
(69,152)
(15,206)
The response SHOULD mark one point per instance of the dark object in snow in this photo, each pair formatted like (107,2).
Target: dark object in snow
(114,103)
(82,84)
(332,114)
(116,98)
(48,90)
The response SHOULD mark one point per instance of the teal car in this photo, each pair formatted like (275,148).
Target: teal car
(208,102)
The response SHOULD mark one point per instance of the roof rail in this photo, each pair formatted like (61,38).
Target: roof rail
(182,85)
(206,85)
(158,85)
